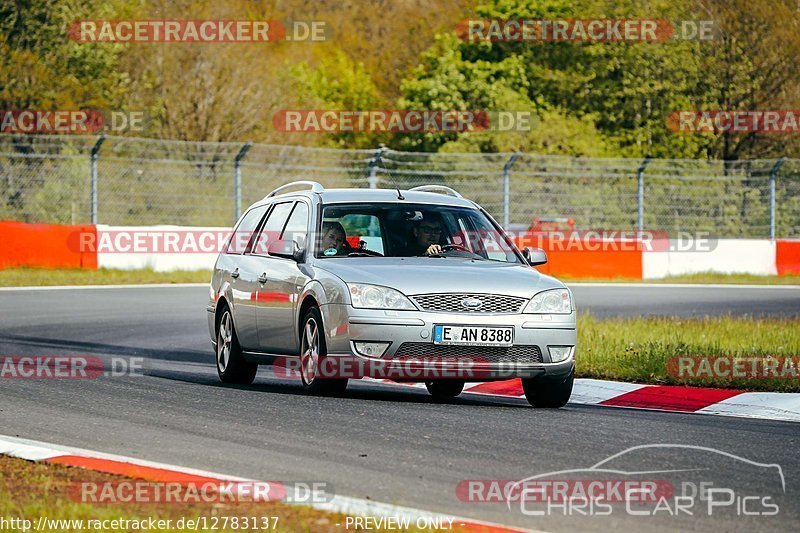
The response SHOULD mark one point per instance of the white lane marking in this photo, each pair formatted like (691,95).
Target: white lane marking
(132,286)
(36,450)
(766,405)
(26,449)
(594,391)
(681,285)
(779,406)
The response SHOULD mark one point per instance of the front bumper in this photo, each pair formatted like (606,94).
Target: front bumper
(344,325)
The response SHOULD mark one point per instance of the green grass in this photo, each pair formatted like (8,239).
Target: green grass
(703,277)
(639,349)
(27,277)
(31,490)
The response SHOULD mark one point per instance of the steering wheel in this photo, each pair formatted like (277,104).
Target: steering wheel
(448,247)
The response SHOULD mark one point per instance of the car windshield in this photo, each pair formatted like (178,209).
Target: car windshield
(409,230)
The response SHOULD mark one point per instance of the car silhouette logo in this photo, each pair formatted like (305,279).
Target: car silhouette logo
(472,303)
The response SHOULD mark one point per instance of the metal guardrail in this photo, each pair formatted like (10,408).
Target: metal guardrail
(134,181)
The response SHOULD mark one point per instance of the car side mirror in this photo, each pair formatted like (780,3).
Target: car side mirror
(534,256)
(286,249)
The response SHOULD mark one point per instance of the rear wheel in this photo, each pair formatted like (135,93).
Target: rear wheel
(312,353)
(548,393)
(445,388)
(231,365)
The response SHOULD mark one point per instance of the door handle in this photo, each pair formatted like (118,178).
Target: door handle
(262,278)
(235,273)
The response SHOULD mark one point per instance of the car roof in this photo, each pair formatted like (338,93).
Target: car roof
(345,195)
(390,195)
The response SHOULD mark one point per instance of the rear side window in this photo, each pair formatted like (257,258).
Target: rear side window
(297,226)
(241,236)
(272,227)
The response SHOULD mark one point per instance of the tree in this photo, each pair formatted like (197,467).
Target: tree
(626,90)
(40,68)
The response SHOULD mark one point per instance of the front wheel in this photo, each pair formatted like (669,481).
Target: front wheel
(549,393)
(312,353)
(444,388)
(231,364)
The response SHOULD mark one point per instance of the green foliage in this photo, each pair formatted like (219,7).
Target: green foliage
(338,82)
(41,68)
(587,99)
(620,94)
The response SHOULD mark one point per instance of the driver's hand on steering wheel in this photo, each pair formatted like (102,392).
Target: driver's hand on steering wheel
(433,249)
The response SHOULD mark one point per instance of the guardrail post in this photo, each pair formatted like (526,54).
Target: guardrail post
(773,174)
(237,180)
(507,188)
(93,174)
(640,193)
(372,178)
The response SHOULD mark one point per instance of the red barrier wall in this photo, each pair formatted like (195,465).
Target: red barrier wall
(787,257)
(588,259)
(594,264)
(54,246)
(43,245)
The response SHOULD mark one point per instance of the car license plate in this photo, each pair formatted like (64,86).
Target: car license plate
(474,335)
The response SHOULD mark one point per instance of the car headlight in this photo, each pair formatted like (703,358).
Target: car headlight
(367,296)
(554,302)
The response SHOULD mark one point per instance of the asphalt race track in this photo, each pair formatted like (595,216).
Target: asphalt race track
(603,299)
(386,442)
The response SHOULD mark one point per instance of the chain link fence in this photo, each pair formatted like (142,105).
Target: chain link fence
(131,181)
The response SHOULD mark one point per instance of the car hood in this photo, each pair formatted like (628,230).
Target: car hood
(422,275)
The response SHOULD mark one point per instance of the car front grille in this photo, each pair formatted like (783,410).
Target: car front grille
(426,351)
(452,303)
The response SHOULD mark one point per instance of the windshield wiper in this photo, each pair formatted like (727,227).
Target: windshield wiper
(474,256)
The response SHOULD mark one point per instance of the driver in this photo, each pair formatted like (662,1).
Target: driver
(333,238)
(425,238)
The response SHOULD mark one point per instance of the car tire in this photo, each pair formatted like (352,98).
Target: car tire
(231,364)
(548,393)
(312,352)
(442,389)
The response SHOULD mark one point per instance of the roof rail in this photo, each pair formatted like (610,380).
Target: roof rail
(315,187)
(433,188)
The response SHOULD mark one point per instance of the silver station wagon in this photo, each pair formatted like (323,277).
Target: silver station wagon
(416,285)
